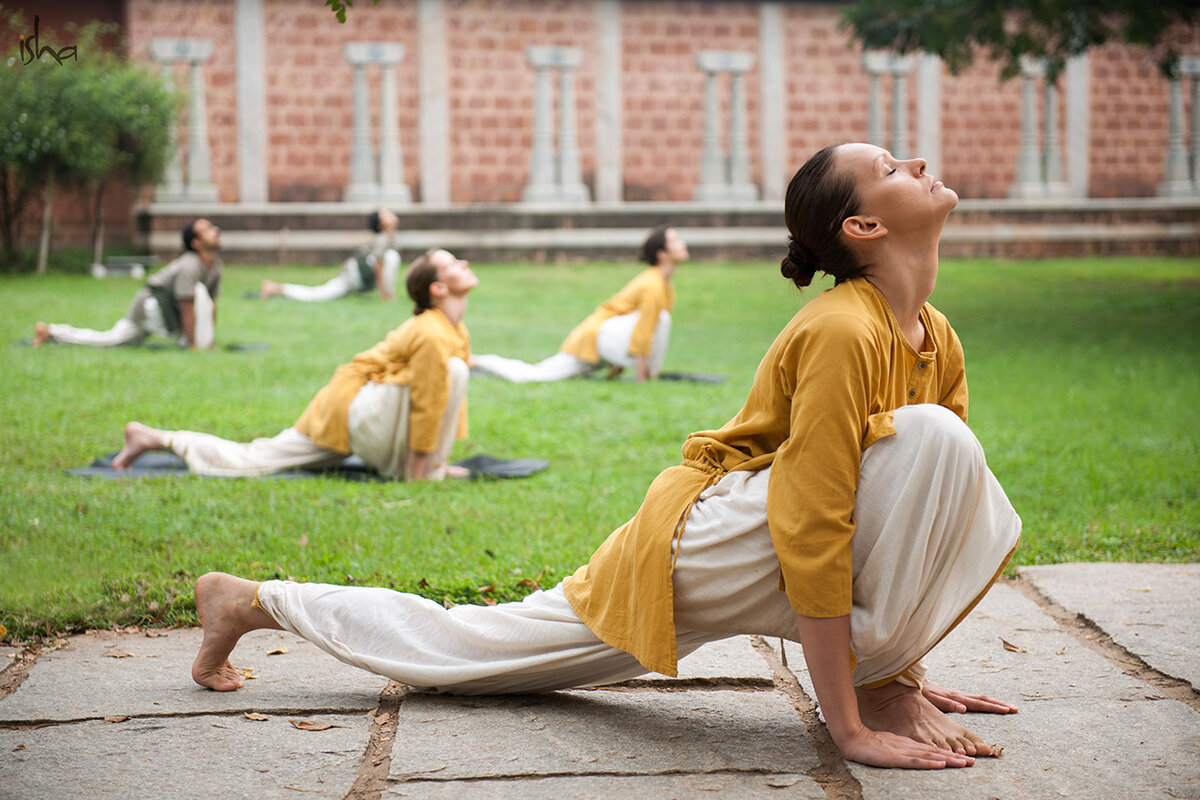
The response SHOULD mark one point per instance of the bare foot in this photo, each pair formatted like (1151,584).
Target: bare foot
(138,439)
(269,289)
(614,371)
(953,701)
(41,334)
(904,710)
(224,603)
(455,471)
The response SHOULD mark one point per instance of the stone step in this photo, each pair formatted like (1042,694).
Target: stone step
(325,232)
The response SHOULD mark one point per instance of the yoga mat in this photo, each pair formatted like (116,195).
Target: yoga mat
(156,464)
(233,347)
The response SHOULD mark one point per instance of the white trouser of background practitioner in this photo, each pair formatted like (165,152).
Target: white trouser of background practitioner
(346,281)
(612,344)
(378,422)
(933,531)
(126,331)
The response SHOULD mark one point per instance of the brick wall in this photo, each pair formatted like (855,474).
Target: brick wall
(309,95)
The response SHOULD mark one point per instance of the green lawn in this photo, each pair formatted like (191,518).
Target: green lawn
(1084,381)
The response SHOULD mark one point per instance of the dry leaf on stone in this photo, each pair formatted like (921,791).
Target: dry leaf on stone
(1012,648)
(248,674)
(119,654)
(254,715)
(117,718)
(278,651)
(382,718)
(312,725)
(18,747)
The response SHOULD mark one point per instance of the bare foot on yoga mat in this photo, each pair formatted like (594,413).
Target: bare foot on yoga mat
(905,711)
(224,603)
(455,471)
(270,289)
(41,334)
(138,439)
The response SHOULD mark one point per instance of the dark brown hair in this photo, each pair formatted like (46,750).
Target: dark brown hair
(819,199)
(655,242)
(190,235)
(422,272)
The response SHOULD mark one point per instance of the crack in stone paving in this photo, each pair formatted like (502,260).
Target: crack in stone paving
(833,775)
(12,676)
(372,776)
(1085,631)
(29,724)
(684,685)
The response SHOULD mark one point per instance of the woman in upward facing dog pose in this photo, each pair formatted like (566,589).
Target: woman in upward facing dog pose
(631,329)
(847,506)
(398,406)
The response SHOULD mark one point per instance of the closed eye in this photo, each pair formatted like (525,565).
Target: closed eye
(892,171)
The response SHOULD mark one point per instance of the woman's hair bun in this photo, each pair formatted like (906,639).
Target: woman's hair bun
(800,264)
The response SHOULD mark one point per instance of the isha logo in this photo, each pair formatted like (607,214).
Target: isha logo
(30,51)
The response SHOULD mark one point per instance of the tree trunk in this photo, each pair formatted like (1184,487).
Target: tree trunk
(98,226)
(47,220)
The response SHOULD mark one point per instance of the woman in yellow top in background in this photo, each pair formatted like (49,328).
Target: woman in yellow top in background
(847,506)
(399,406)
(629,330)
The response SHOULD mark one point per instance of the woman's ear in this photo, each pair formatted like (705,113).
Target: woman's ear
(861,226)
(438,289)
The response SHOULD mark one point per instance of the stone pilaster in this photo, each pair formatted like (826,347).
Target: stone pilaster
(196,185)
(554,177)
(376,179)
(725,177)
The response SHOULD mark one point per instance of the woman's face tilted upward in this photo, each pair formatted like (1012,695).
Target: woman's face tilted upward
(900,193)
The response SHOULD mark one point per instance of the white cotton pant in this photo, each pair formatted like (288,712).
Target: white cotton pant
(934,528)
(346,281)
(612,344)
(378,423)
(126,331)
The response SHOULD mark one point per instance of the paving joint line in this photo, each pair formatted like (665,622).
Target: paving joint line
(372,777)
(1084,630)
(833,774)
(524,776)
(29,724)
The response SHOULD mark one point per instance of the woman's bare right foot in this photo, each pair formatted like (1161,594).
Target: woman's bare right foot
(269,289)
(138,439)
(41,334)
(225,605)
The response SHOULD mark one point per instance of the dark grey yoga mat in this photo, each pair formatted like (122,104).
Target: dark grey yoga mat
(155,464)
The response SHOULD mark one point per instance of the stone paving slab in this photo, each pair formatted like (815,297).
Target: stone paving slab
(1083,726)
(589,787)
(182,757)
(607,732)
(1149,609)
(734,658)
(82,681)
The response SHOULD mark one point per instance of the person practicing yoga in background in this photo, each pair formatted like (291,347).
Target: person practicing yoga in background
(846,506)
(630,329)
(374,266)
(398,406)
(178,302)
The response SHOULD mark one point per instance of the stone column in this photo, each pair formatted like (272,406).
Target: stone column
(877,63)
(1176,181)
(929,112)
(725,177)
(1029,158)
(772,99)
(554,177)
(171,188)
(609,176)
(1191,68)
(434,103)
(1078,125)
(1052,158)
(251,102)
(376,180)
(196,185)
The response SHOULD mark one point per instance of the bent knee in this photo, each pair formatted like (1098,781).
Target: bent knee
(460,373)
(936,426)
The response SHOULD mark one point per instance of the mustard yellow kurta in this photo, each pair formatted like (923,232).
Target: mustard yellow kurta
(824,392)
(415,355)
(649,293)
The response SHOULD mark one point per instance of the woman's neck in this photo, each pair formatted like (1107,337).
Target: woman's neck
(453,306)
(906,285)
